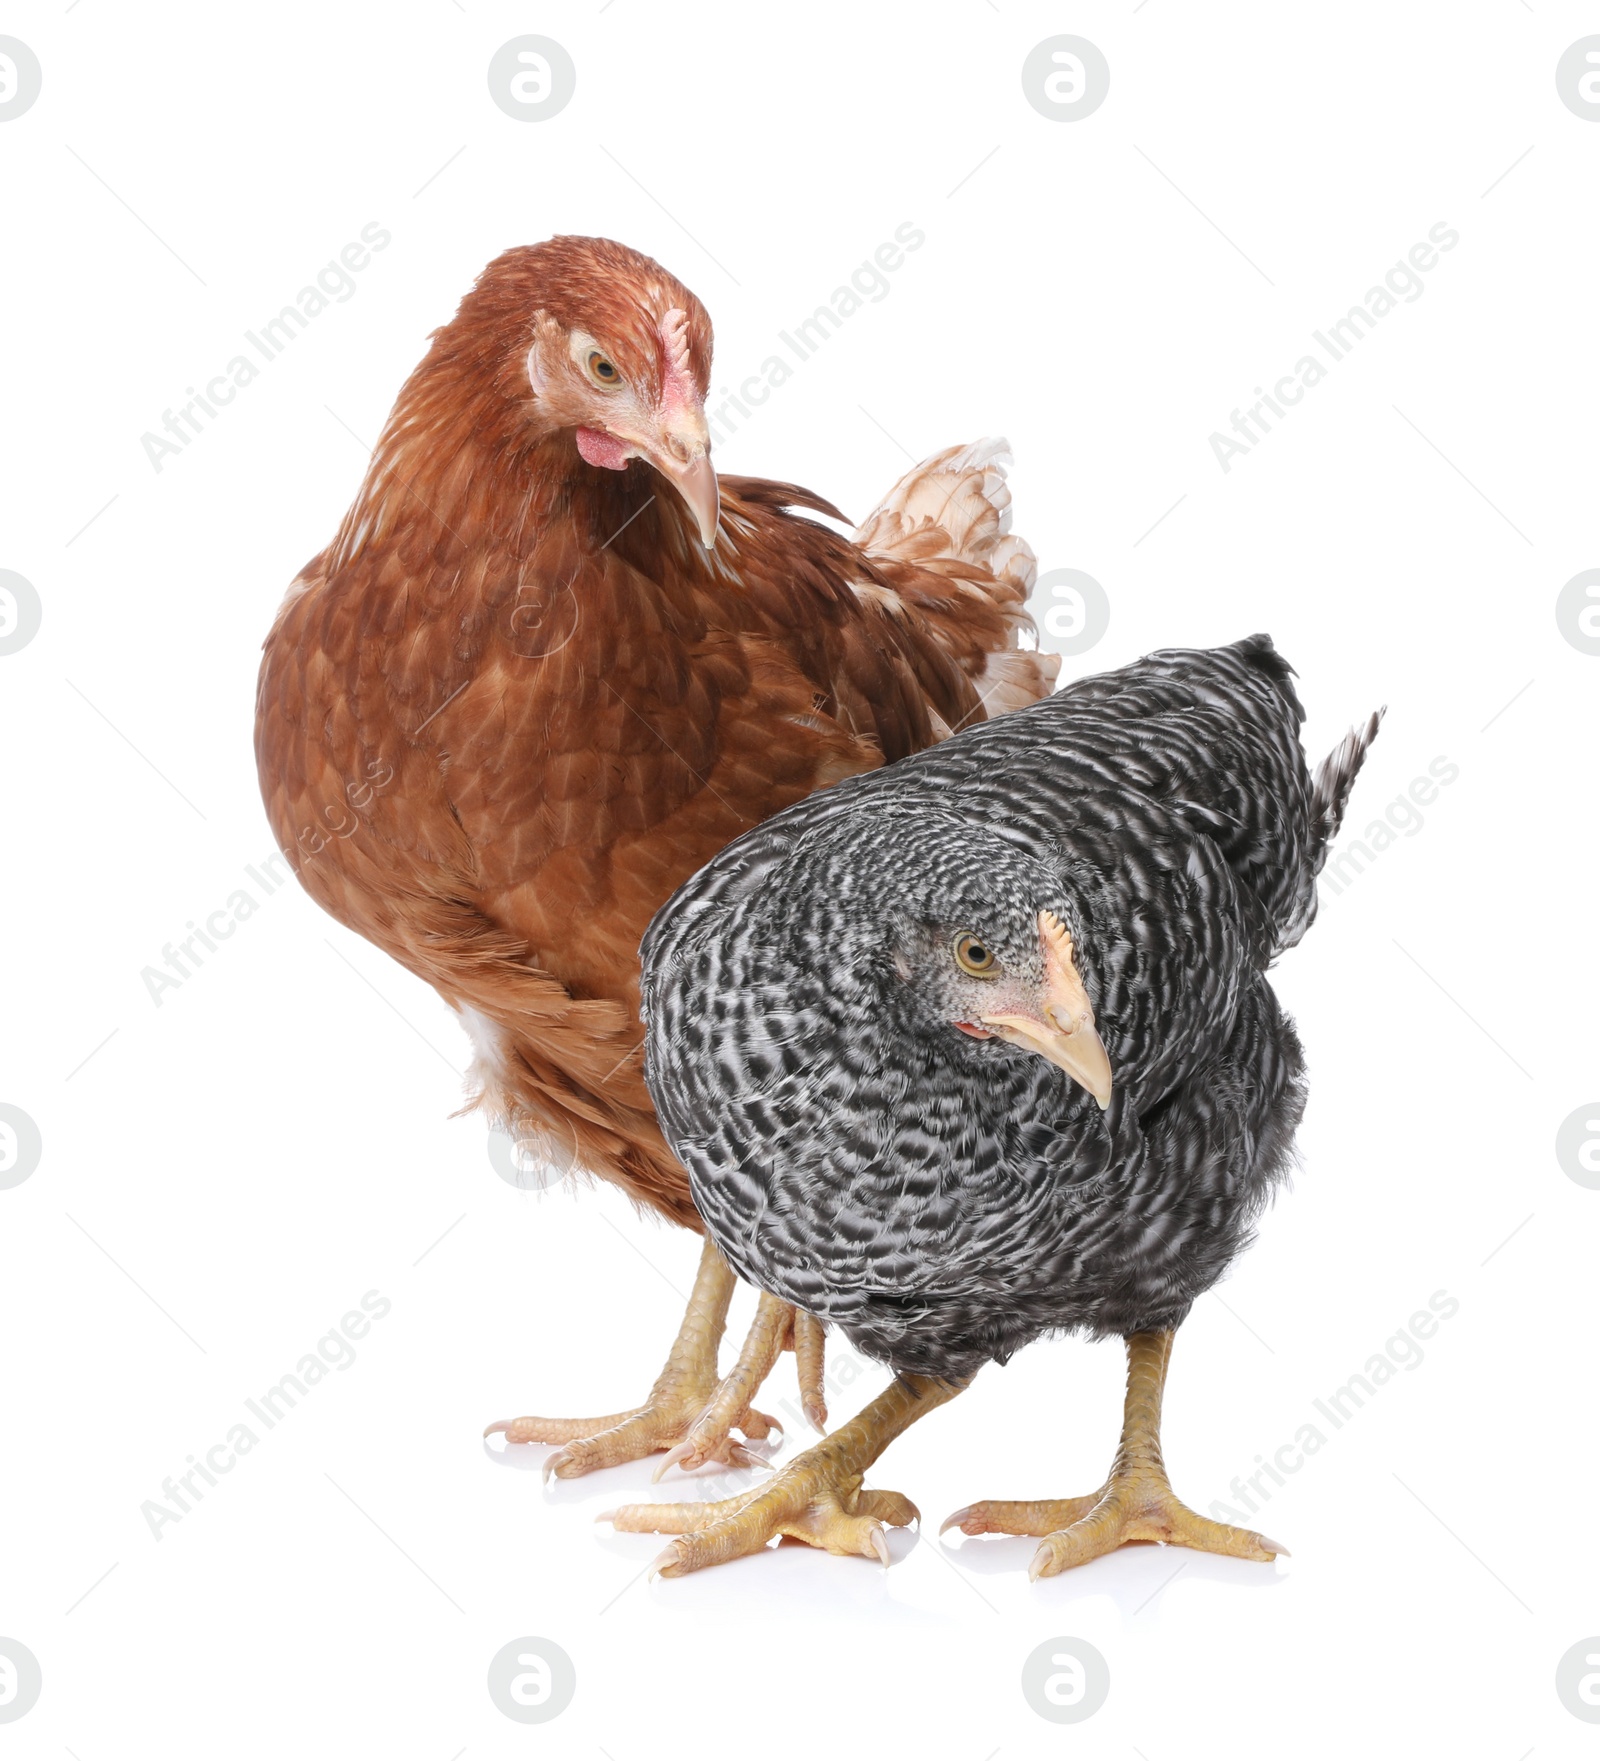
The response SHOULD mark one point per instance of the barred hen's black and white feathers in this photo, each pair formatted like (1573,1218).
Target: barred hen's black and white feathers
(946,1199)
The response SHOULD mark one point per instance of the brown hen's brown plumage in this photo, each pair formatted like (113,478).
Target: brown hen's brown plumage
(515,703)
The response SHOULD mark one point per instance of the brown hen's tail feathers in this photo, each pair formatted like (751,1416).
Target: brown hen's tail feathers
(955,505)
(942,534)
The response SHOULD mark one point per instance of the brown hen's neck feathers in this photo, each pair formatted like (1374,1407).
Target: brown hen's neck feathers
(450,476)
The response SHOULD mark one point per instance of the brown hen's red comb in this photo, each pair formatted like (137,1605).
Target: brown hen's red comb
(677,381)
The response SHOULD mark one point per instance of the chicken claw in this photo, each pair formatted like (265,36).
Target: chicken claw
(1136,1503)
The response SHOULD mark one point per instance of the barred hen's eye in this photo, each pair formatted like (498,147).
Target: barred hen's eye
(601,370)
(974,958)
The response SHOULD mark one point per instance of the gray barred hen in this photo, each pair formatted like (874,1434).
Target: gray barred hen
(981,1047)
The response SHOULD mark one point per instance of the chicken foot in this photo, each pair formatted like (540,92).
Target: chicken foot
(1136,1503)
(688,1412)
(818,1498)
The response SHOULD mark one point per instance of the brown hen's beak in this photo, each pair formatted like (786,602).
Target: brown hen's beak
(1066,1035)
(696,482)
(683,457)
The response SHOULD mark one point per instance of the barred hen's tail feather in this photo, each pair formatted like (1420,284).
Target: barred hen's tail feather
(1330,788)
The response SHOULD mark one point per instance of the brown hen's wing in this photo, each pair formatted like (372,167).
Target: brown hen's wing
(420,780)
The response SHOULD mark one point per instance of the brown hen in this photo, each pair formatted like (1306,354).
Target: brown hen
(550,664)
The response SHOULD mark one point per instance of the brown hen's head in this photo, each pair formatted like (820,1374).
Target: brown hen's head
(583,335)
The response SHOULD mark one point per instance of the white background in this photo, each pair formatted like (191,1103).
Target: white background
(228,1172)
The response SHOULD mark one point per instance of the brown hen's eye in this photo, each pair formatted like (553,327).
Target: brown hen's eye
(601,370)
(973,957)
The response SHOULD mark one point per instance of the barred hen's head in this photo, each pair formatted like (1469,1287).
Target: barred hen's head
(893,943)
(580,341)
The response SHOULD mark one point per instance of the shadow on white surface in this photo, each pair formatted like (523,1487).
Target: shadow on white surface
(788,1580)
(1135,1578)
(629,1481)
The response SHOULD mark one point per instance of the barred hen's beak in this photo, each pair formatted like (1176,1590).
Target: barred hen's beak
(1066,1033)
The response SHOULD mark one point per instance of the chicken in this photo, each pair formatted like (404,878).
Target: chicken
(551,664)
(981,1047)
